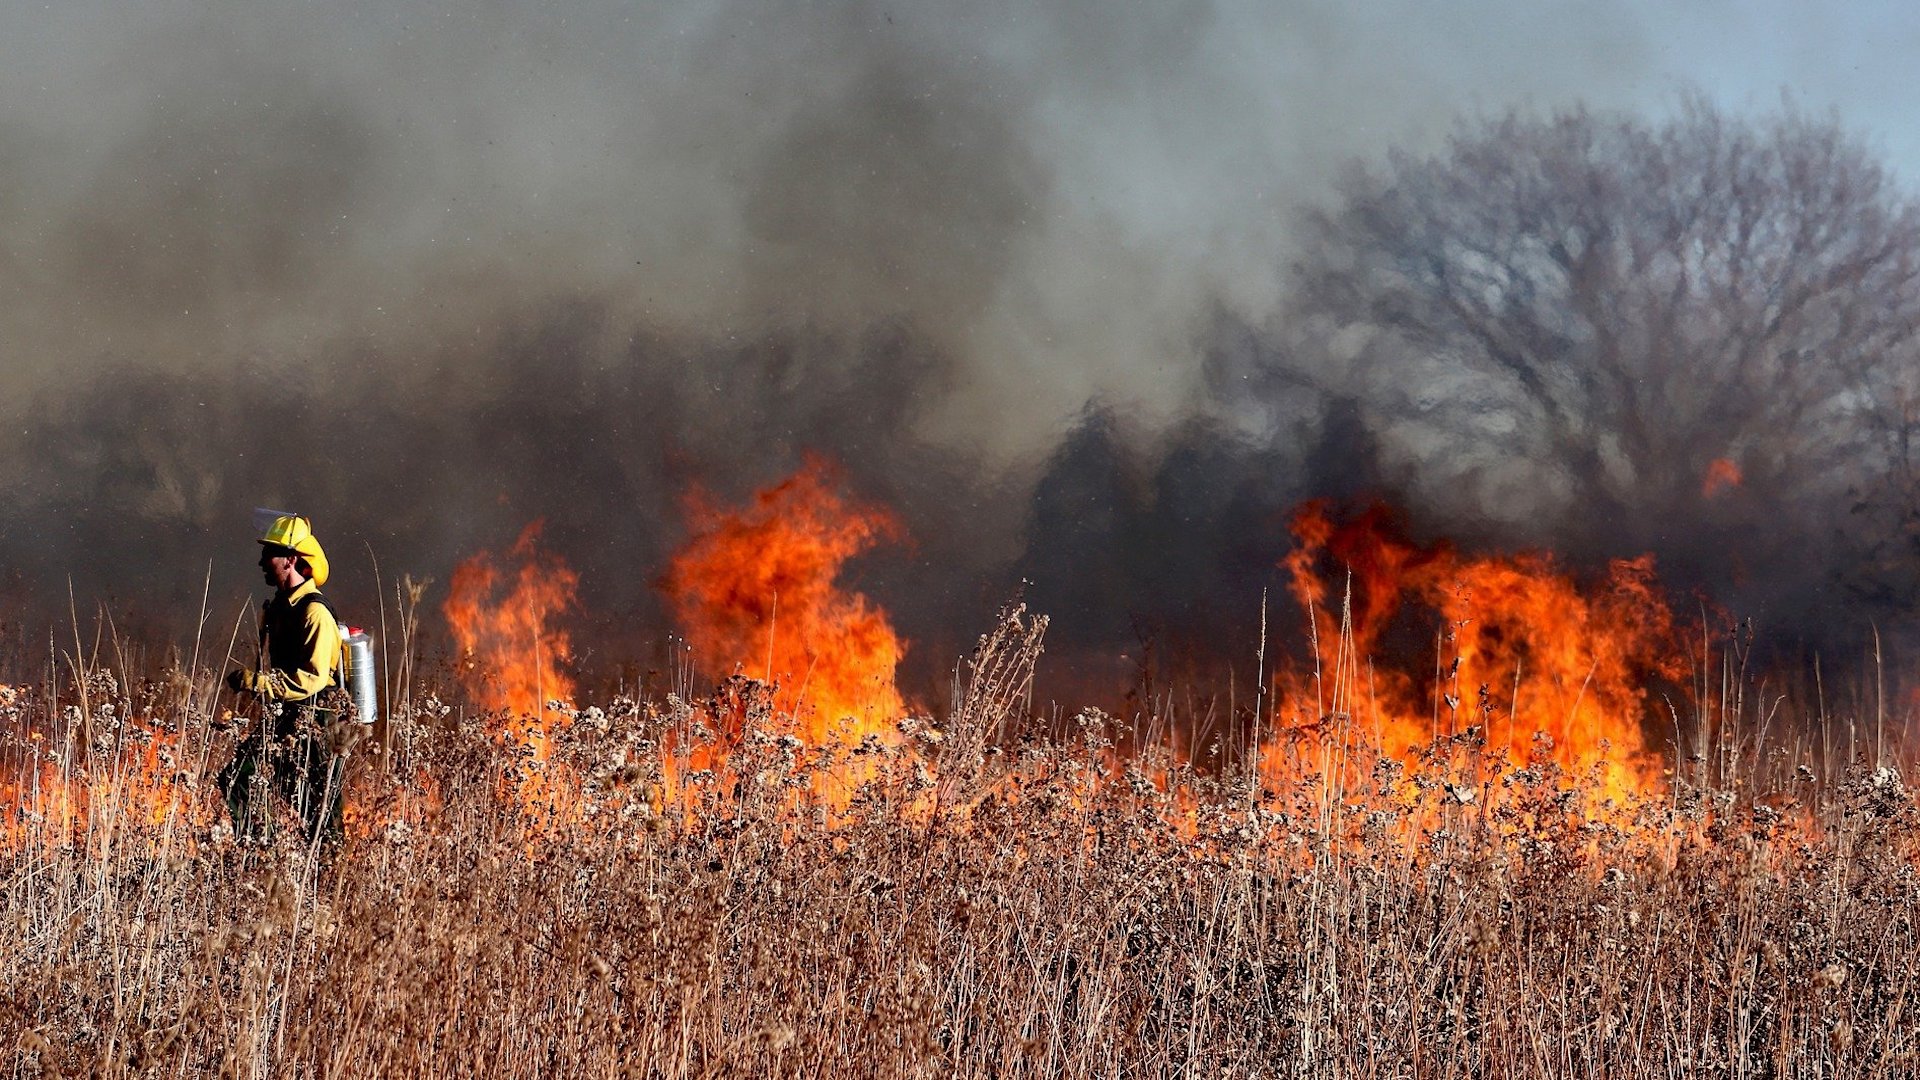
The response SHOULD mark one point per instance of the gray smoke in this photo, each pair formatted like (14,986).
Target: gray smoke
(1053,196)
(428,273)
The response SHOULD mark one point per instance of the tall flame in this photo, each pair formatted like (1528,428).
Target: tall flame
(512,652)
(1525,650)
(755,590)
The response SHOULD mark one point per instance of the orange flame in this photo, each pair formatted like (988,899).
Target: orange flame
(755,589)
(1723,475)
(513,654)
(1526,651)
(64,791)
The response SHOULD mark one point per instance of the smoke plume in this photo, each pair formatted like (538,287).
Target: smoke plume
(428,274)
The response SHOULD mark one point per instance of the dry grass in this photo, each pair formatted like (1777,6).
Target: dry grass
(1040,910)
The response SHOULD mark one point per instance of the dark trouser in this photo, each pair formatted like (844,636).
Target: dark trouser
(288,753)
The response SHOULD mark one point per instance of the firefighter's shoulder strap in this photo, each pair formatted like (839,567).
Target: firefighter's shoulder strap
(315,597)
(300,609)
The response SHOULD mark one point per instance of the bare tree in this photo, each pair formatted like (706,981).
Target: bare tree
(1612,319)
(1885,515)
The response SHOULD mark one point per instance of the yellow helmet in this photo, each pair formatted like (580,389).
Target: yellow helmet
(295,533)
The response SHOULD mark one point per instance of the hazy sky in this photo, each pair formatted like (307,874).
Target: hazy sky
(1056,194)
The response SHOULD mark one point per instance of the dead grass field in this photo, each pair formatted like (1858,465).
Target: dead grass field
(975,902)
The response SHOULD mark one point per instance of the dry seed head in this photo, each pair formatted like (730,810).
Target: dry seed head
(35,1043)
(1832,976)
(1841,1037)
(776,1037)
(341,738)
(1772,954)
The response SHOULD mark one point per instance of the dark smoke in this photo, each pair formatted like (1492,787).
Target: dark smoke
(146,478)
(430,276)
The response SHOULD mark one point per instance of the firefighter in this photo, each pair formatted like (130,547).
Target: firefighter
(296,686)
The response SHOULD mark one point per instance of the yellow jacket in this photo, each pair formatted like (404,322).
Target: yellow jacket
(299,646)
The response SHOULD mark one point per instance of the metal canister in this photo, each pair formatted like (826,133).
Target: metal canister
(360,681)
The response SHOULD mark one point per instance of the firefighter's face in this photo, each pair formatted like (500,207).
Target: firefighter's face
(280,567)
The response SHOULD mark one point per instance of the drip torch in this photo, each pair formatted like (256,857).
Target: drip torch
(358,649)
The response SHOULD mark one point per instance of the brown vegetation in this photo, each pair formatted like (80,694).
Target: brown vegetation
(985,901)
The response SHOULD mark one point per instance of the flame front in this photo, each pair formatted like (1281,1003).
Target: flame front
(1516,658)
(755,590)
(1523,651)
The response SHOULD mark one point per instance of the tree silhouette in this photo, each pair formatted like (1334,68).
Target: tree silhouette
(1704,325)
